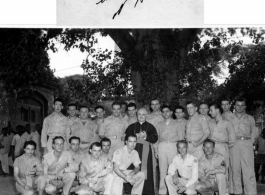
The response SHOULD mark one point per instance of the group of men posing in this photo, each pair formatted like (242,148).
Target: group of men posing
(202,154)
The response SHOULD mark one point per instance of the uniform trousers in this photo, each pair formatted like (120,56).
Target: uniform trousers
(242,161)
(38,184)
(68,179)
(211,185)
(137,188)
(172,188)
(166,153)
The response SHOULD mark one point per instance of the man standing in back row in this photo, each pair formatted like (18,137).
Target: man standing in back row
(114,128)
(54,125)
(242,154)
(197,131)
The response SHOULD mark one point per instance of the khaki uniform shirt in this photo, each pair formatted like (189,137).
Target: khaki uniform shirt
(90,168)
(217,164)
(87,132)
(26,164)
(124,159)
(77,156)
(54,125)
(229,115)
(197,126)
(98,123)
(172,132)
(113,126)
(222,132)
(245,126)
(54,166)
(187,168)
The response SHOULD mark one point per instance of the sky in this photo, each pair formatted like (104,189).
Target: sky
(68,63)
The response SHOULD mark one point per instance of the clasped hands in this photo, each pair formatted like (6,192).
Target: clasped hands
(129,179)
(181,188)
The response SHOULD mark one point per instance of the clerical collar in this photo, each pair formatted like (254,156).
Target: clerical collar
(141,122)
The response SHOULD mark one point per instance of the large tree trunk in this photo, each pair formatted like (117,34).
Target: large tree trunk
(178,42)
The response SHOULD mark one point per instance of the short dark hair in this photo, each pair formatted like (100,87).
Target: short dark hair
(32,143)
(72,104)
(182,142)
(204,103)
(58,100)
(241,100)
(84,106)
(57,137)
(132,104)
(130,135)
(192,102)
(217,106)
(226,99)
(97,144)
(154,100)
(209,141)
(74,137)
(166,106)
(105,139)
(115,103)
(99,107)
(123,103)
(179,108)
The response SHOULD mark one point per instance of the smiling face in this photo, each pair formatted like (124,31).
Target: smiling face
(166,113)
(131,142)
(132,111)
(106,146)
(204,109)
(57,106)
(182,149)
(116,110)
(141,115)
(179,113)
(191,109)
(208,148)
(155,105)
(58,145)
(96,151)
(71,111)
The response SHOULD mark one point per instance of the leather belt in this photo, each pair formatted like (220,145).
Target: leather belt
(170,141)
(242,138)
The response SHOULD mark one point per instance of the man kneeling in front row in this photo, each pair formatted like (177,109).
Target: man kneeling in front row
(59,168)
(95,172)
(183,172)
(212,170)
(122,159)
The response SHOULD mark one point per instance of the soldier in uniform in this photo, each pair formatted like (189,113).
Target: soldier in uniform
(222,133)
(74,150)
(85,129)
(122,159)
(54,125)
(212,171)
(181,121)
(114,128)
(204,111)
(59,168)
(226,106)
(100,112)
(95,173)
(165,148)
(106,144)
(28,171)
(72,111)
(156,116)
(197,131)
(242,154)
(182,172)
(132,110)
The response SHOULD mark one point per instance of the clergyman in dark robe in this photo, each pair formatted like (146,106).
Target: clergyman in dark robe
(146,136)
